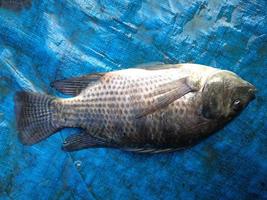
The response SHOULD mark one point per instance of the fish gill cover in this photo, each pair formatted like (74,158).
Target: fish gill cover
(41,41)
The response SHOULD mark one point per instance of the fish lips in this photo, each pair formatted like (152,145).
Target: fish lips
(252,93)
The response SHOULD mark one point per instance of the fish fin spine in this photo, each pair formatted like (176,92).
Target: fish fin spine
(82,140)
(34,116)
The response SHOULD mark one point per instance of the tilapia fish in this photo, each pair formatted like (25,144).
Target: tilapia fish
(154,109)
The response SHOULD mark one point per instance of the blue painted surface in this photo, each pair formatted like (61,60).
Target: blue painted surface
(48,40)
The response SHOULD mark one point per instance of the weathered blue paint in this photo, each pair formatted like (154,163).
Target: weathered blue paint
(48,40)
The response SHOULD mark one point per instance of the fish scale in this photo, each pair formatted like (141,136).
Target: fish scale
(157,109)
(120,116)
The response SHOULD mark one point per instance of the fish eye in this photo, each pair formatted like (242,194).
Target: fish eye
(237,105)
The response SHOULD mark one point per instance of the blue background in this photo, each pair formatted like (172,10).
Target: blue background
(41,41)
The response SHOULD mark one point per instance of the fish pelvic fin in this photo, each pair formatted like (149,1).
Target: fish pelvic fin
(34,117)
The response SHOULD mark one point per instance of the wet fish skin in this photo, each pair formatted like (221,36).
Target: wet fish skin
(145,110)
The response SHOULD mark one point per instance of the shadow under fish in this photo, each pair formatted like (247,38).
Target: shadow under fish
(15,5)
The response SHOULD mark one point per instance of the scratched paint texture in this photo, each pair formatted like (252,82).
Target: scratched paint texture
(41,41)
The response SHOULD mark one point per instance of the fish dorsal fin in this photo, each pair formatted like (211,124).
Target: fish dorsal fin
(164,95)
(73,86)
(156,66)
(149,65)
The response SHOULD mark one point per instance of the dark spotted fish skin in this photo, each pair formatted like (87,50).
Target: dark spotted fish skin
(142,110)
(108,110)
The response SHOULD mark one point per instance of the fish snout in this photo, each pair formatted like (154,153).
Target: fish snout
(252,92)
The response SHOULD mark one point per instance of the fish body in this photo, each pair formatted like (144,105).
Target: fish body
(157,109)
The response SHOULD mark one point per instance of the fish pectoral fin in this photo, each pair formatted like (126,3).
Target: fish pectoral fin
(164,95)
(82,141)
(73,86)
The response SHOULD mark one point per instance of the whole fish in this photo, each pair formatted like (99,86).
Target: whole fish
(154,109)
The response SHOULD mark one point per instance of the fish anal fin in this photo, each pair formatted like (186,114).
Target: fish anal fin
(73,86)
(146,150)
(82,140)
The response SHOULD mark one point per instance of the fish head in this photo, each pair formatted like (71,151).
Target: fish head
(225,95)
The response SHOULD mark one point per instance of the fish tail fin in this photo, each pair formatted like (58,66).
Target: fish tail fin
(34,116)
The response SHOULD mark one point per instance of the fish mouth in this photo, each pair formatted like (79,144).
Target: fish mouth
(252,92)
